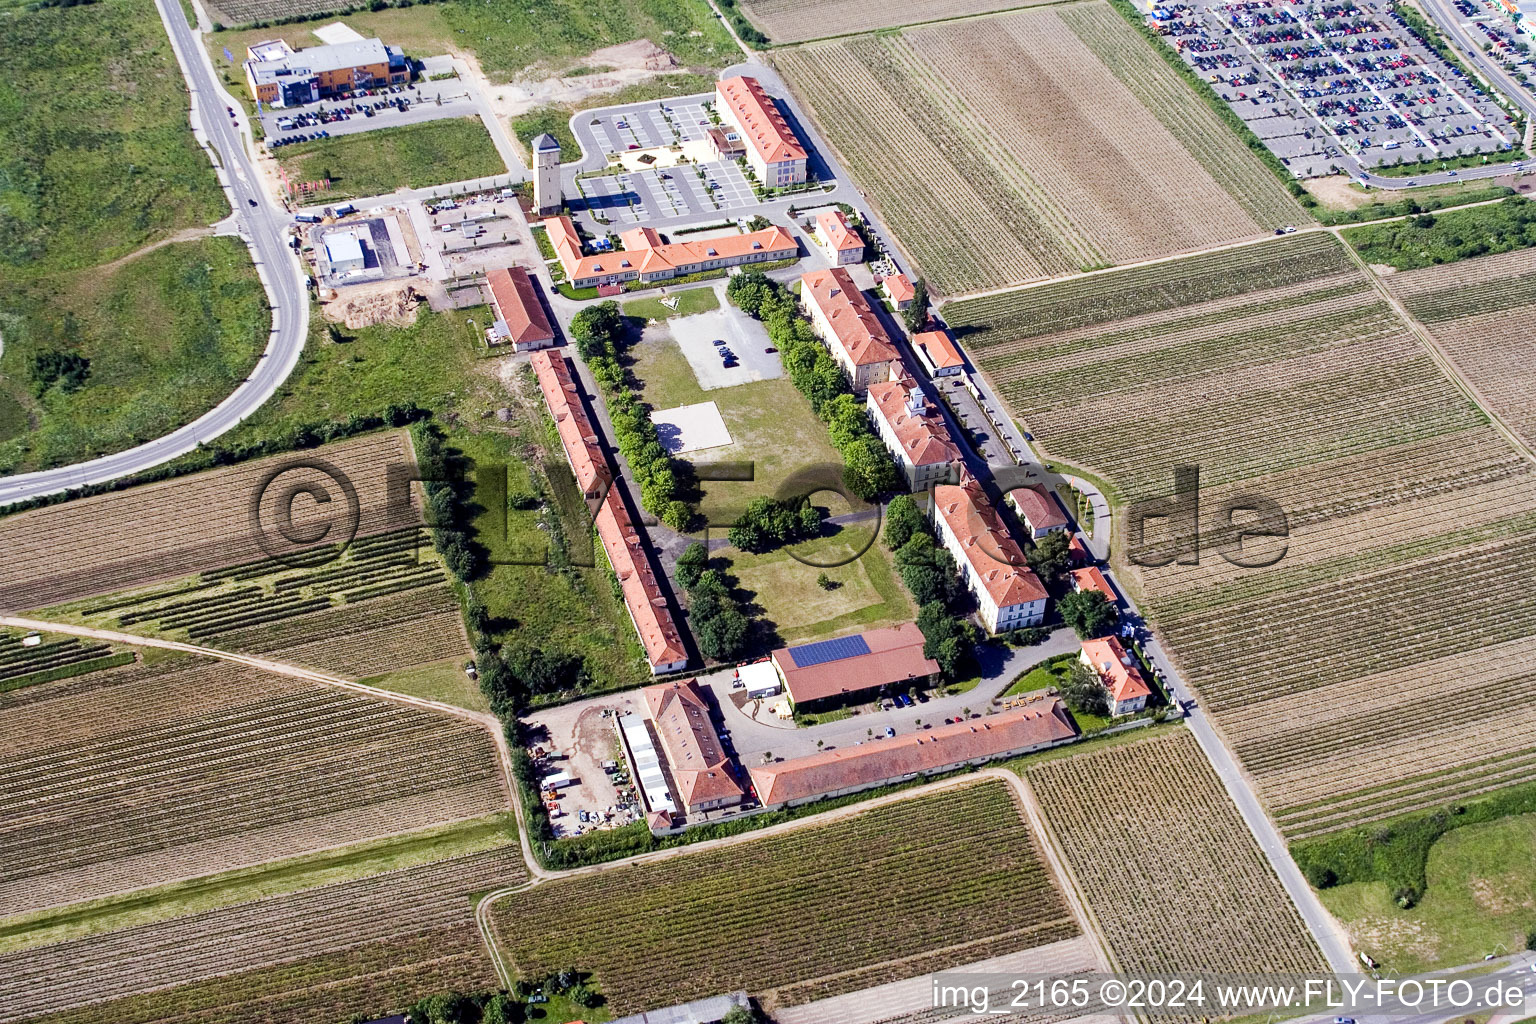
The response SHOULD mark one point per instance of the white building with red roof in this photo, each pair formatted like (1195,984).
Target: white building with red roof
(845,321)
(703,775)
(990,561)
(774,151)
(938,354)
(1038,510)
(899,290)
(914,431)
(888,759)
(1118,671)
(520,317)
(647,259)
(643,597)
(1092,578)
(582,449)
(842,244)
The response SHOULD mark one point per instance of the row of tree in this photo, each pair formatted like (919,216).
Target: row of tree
(447,504)
(769,523)
(720,625)
(867,466)
(601,333)
(930,573)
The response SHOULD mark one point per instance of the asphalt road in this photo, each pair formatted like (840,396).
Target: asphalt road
(262,224)
(1449,20)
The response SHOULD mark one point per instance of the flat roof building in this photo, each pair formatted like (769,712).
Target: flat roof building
(914,431)
(280,76)
(890,759)
(520,317)
(344,252)
(990,561)
(774,151)
(829,673)
(845,321)
(703,776)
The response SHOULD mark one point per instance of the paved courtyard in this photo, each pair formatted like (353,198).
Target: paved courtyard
(656,193)
(651,125)
(696,336)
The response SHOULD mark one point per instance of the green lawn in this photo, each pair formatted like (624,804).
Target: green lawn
(77,920)
(690,301)
(1050,672)
(869,594)
(169,334)
(514,40)
(1481,898)
(556,118)
(442,681)
(416,155)
(96,152)
(536,603)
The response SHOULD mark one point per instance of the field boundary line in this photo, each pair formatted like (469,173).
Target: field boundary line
(1334,229)
(924,23)
(1441,359)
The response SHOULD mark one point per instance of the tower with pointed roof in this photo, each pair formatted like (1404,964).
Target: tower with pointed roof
(546,175)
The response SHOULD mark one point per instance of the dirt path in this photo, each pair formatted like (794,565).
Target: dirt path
(184,235)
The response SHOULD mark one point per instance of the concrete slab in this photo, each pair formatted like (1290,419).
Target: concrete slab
(691,428)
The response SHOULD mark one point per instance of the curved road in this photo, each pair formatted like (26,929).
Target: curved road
(262,224)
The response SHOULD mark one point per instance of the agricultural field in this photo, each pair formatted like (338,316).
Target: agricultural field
(127,539)
(323,954)
(55,657)
(180,767)
(796,21)
(1479,312)
(1033,144)
(1165,863)
(854,903)
(382,602)
(412,156)
(1280,370)
(512,41)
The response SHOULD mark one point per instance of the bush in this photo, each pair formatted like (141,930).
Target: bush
(1321,877)
(691,564)
(1089,613)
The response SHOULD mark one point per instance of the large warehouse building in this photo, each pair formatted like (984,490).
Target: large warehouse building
(280,76)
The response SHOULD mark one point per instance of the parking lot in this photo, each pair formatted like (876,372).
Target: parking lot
(1345,79)
(333,118)
(634,196)
(745,339)
(651,125)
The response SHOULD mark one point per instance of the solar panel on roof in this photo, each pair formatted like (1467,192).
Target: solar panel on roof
(824,651)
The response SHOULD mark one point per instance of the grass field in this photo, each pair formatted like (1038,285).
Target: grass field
(689,301)
(868,594)
(366,946)
(1033,144)
(1166,864)
(443,681)
(412,156)
(89,177)
(226,889)
(1279,370)
(511,40)
(168,334)
(160,772)
(1479,313)
(796,21)
(1478,900)
(854,903)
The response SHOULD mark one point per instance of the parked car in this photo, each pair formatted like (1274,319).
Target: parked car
(889,732)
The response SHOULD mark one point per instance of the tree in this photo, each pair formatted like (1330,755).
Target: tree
(810,521)
(902,519)
(722,636)
(946,639)
(598,329)
(1090,613)
(924,581)
(1084,692)
(691,564)
(1050,557)
(69,370)
(826,582)
(743,1015)
(917,314)
(547,671)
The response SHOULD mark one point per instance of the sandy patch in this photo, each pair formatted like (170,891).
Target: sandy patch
(363,305)
(1338,191)
(630,63)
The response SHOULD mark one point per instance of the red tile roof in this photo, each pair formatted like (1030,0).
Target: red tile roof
(762,125)
(987,545)
(1077,551)
(854,323)
(1117,668)
(895,656)
(835,231)
(924,439)
(1040,508)
(640,238)
(517,305)
(684,257)
(565,240)
(878,760)
(1093,579)
(637,579)
(941,352)
(700,768)
(898,288)
(580,441)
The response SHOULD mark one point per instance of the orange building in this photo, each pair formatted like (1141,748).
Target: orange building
(280,76)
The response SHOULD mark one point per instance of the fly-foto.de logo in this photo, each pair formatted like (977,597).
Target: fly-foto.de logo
(1247,529)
